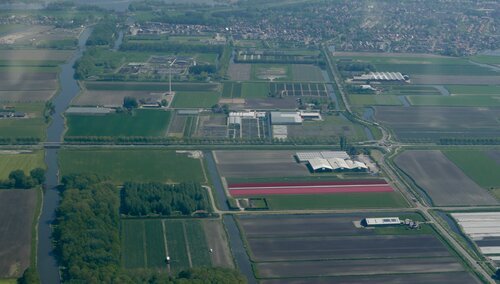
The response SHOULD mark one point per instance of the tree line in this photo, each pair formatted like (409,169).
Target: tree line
(104,32)
(143,199)
(19,179)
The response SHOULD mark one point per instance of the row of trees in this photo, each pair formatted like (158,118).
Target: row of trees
(142,199)
(19,179)
(19,140)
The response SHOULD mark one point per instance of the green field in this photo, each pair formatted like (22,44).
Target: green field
(369,100)
(280,72)
(423,65)
(255,90)
(141,122)
(336,201)
(33,126)
(477,165)
(474,89)
(486,59)
(461,100)
(403,90)
(132,165)
(143,244)
(153,87)
(231,90)
(195,99)
(22,161)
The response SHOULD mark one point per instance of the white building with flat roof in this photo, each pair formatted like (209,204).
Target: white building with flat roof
(383,221)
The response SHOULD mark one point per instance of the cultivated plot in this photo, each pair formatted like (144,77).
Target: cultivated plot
(442,180)
(239,72)
(234,164)
(147,243)
(304,247)
(18,208)
(434,123)
(20,160)
(141,122)
(133,165)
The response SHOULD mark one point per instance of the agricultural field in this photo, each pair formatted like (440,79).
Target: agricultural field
(195,99)
(457,100)
(332,126)
(140,122)
(152,87)
(20,160)
(18,209)
(143,165)
(298,89)
(370,100)
(474,89)
(147,243)
(441,180)
(433,123)
(482,166)
(234,164)
(306,72)
(183,125)
(335,248)
(239,72)
(271,72)
(254,90)
(27,85)
(113,98)
(33,125)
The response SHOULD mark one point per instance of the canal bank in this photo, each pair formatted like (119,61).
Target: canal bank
(46,262)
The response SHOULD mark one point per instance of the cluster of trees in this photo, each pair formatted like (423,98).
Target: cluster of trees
(355,66)
(19,179)
(142,199)
(87,239)
(87,231)
(130,103)
(199,69)
(104,32)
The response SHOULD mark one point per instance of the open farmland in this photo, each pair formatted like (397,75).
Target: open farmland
(272,72)
(460,100)
(474,89)
(133,165)
(332,126)
(433,123)
(442,180)
(147,243)
(195,99)
(140,122)
(481,166)
(101,98)
(26,161)
(150,86)
(33,125)
(306,72)
(370,100)
(18,209)
(16,55)
(239,72)
(27,86)
(298,89)
(288,248)
(234,164)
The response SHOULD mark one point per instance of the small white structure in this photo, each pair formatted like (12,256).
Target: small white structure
(384,221)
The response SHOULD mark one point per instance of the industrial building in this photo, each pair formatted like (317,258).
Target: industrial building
(330,161)
(295,117)
(382,76)
(379,222)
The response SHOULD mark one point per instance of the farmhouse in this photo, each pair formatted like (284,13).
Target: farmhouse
(379,222)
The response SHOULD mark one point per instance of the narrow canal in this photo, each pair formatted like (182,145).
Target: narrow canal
(46,262)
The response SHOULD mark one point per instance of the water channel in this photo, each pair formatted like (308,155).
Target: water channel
(46,262)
